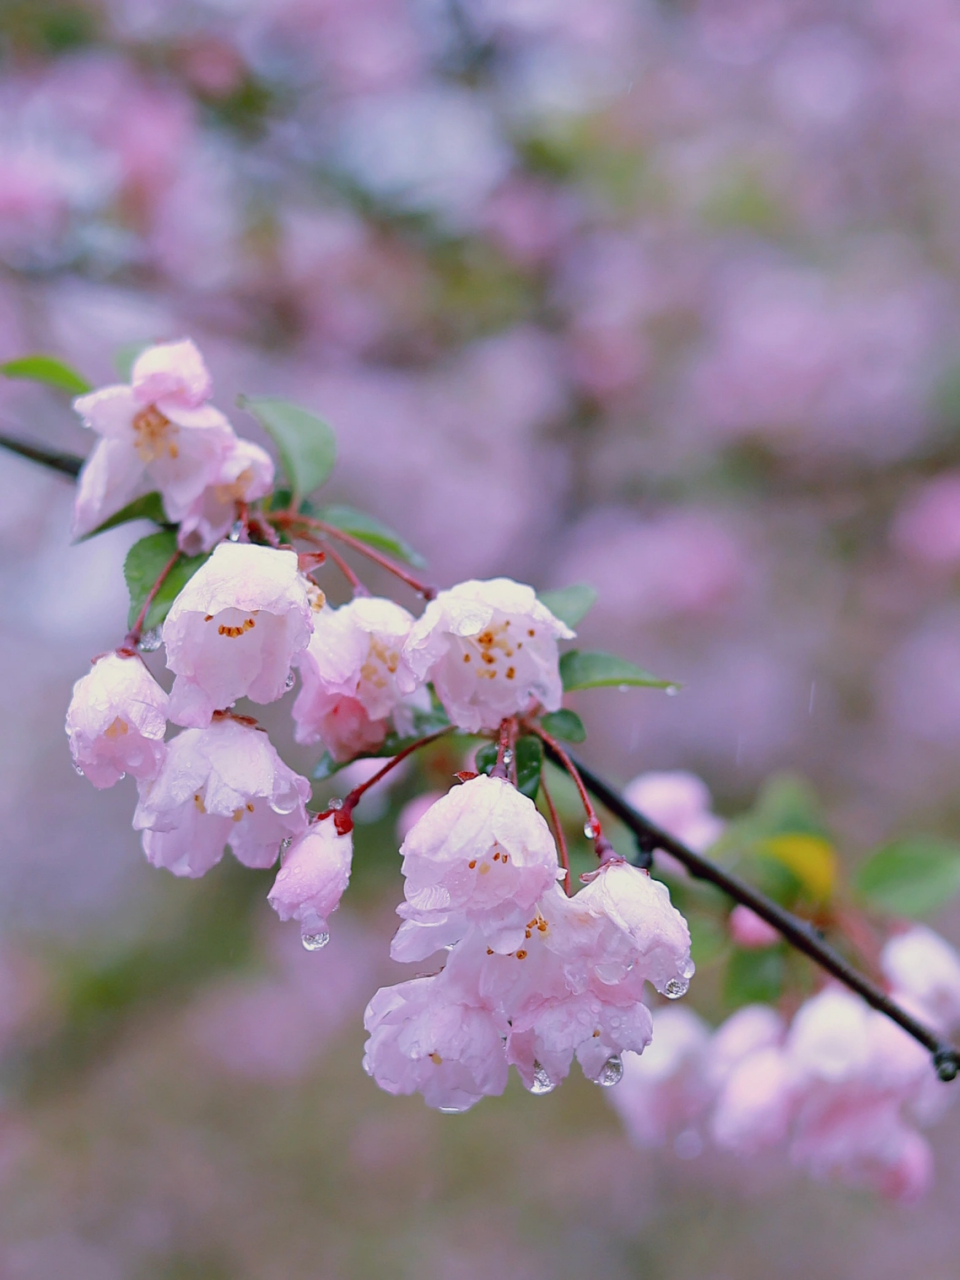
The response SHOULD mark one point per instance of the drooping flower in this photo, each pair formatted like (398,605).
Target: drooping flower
(664,1093)
(489,648)
(423,1039)
(312,880)
(234,630)
(157,433)
(245,475)
(354,676)
(482,854)
(116,721)
(223,784)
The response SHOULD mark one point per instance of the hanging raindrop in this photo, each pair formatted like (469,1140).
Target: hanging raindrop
(611,1072)
(150,641)
(542,1083)
(314,941)
(675,988)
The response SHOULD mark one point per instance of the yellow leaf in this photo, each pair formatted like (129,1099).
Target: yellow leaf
(810,858)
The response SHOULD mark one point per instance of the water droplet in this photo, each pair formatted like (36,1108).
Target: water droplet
(591,829)
(290,681)
(236,531)
(672,690)
(450,1111)
(623,688)
(611,1072)
(541,1081)
(508,757)
(78,770)
(314,941)
(150,641)
(676,988)
(335,803)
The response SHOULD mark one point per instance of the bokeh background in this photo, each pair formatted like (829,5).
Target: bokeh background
(663,296)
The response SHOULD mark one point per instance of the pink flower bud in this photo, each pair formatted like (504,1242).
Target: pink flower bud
(489,648)
(224,784)
(234,630)
(748,930)
(353,676)
(313,878)
(116,721)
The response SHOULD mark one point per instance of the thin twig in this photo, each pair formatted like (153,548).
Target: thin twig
(356,585)
(801,934)
(342,815)
(560,757)
(331,531)
(68,464)
(558,833)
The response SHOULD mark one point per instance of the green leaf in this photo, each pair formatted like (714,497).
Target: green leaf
(125,357)
(145,561)
(598,670)
(48,370)
(149,507)
(369,530)
(755,977)
(911,876)
(529,759)
(305,443)
(564,724)
(570,604)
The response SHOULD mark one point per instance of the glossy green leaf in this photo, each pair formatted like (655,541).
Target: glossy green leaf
(755,977)
(48,370)
(570,604)
(370,530)
(145,562)
(305,443)
(911,876)
(564,724)
(149,507)
(485,757)
(599,670)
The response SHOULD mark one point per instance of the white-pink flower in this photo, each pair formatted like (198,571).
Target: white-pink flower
(591,1026)
(245,475)
(313,878)
(157,433)
(664,1092)
(490,648)
(223,784)
(353,676)
(680,803)
(116,721)
(925,970)
(481,854)
(423,1039)
(234,630)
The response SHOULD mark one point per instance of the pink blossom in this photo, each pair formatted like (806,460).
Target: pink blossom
(245,475)
(927,526)
(749,930)
(482,853)
(924,969)
(224,784)
(313,877)
(422,1040)
(234,630)
(354,676)
(489,648)
(157,433)
(543,1042)
(116,721)
(664,1091)
(678,802)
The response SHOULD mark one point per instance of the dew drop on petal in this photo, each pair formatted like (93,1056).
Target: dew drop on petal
(541,1081)
(591,829)
(676,988)
(150,641)
(314,941)
(611,1072)
(78,770)
(290,681)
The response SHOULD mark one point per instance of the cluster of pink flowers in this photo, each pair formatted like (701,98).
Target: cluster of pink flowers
(839,1086)
(534,977)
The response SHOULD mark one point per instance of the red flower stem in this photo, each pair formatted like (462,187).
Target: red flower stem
(135,632)
(561,757)
(351,800)
(558,832)
(356,585)
(330,531)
